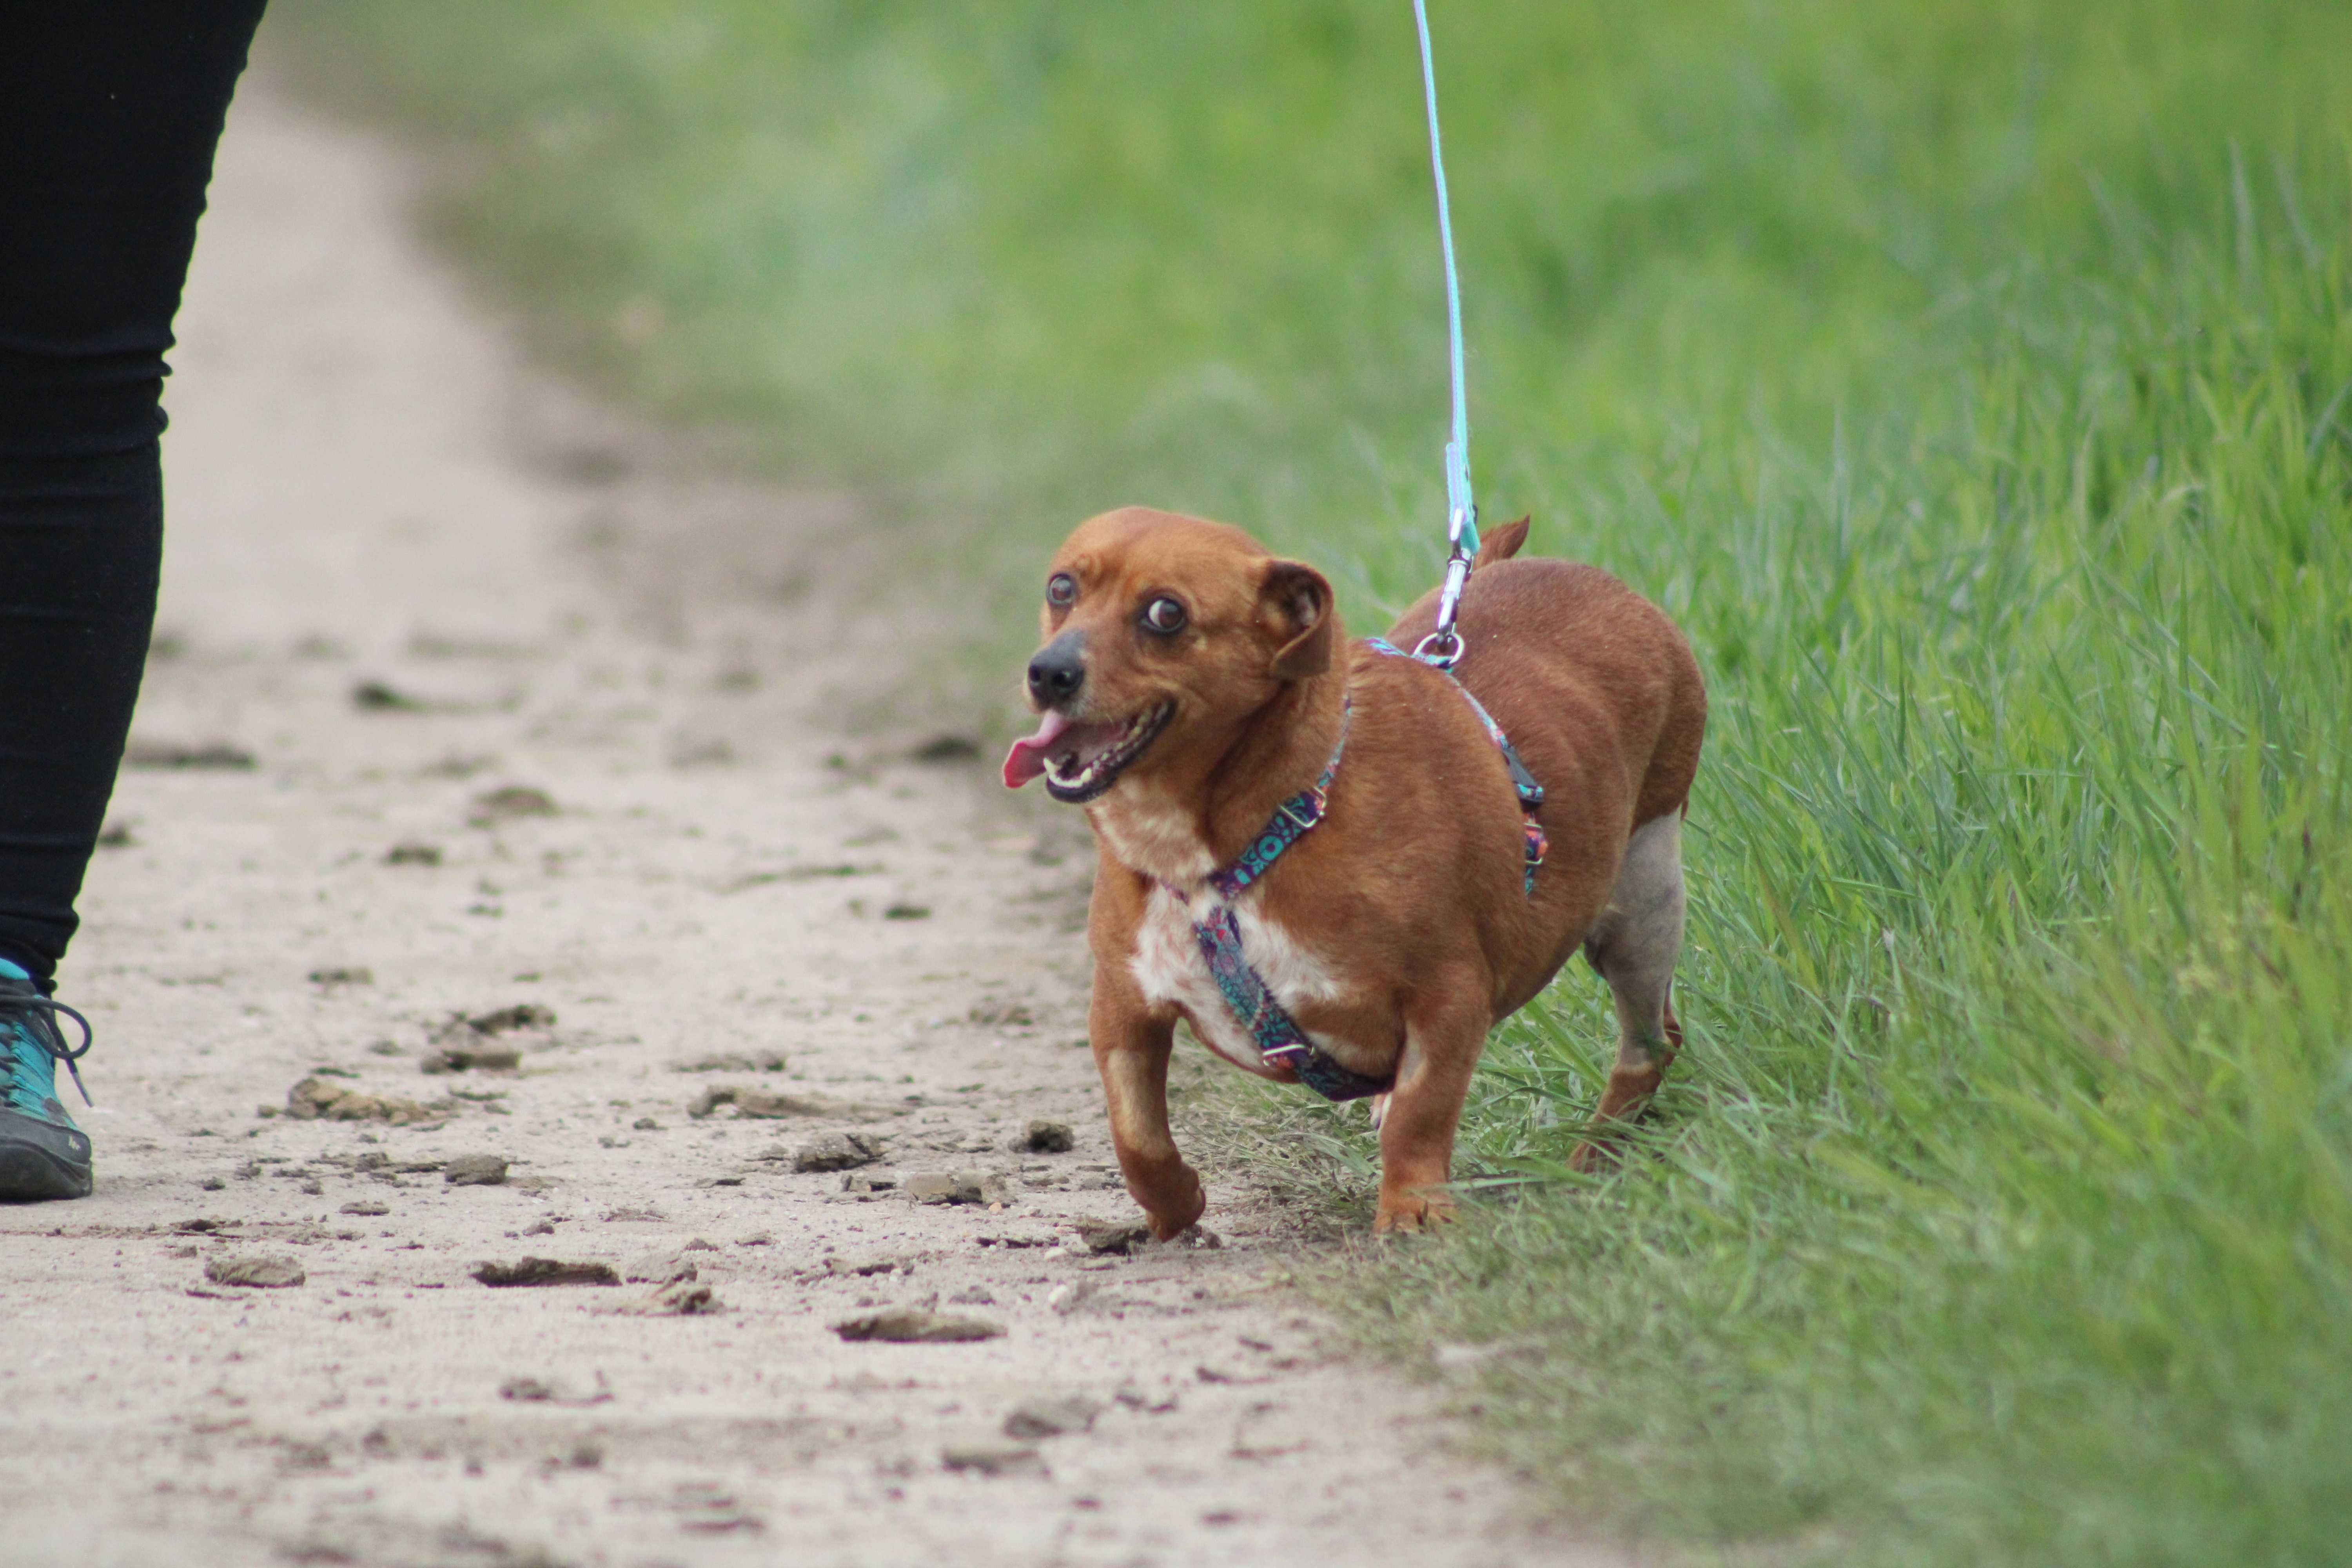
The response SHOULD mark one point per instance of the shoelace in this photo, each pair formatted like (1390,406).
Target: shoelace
(38,1015)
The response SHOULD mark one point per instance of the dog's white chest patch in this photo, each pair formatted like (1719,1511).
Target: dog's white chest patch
(1169,968)
(1151,836)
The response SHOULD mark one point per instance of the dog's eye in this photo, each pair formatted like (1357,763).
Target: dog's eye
(1164,616)
(1061,590)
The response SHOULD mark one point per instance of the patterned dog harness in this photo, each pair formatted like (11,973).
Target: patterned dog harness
(1280,1041)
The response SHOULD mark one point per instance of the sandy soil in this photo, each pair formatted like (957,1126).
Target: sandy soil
(384,586)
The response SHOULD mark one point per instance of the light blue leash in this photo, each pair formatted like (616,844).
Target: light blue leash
(1441,646)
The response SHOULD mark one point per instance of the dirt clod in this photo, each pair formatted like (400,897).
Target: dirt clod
(1134,1398)
(367,1206)
(958,1187)
(545,1271)
(382,697)
(267,1270)
(836,1152)
(1052,1415)
(1048,1138)
(475,1171)
(678,1299)
(498,1020)
(459,1058)
(917,1325)
(1112,1238)
(509,803)
(732,1061)
(552,1390)
(758,1105)
(314,1100)
(993,1458)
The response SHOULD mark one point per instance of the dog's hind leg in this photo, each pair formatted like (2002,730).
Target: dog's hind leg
(1633,946)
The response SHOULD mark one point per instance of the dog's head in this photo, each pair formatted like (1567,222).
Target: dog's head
(1160,629)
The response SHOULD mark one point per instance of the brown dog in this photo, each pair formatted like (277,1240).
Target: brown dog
(1191,684)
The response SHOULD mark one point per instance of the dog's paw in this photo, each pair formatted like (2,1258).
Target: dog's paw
(1170,1216)
(1415,1213)
(1191,1238)
(1592,1158)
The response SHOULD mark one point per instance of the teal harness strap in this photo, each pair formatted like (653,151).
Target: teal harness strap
(1290,823)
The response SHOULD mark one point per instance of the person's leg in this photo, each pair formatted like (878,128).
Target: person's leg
(108,114)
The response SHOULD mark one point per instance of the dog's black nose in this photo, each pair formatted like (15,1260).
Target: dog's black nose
(1057,671)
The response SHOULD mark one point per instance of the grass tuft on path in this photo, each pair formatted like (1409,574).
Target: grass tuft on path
(1973,382)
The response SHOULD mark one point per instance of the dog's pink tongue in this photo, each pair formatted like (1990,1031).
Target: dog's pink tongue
(1026,759)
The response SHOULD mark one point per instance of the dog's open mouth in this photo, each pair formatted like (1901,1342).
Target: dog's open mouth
(1079,761)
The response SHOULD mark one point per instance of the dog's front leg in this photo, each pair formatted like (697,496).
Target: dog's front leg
(1131,1048)
(1445,1031)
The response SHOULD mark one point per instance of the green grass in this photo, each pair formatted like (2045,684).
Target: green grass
(1974,382)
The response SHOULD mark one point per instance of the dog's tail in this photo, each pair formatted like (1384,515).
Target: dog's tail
(1501,544)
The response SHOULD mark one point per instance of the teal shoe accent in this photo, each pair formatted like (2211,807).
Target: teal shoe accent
(42,1154)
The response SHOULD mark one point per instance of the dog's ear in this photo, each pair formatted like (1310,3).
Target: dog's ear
(1501,544)
(1296,601)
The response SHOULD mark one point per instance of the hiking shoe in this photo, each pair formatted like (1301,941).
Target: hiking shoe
(42,1154)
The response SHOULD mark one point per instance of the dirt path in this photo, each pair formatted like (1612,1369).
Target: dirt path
(372,594)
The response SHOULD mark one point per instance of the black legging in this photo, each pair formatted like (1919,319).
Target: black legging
(108,114)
